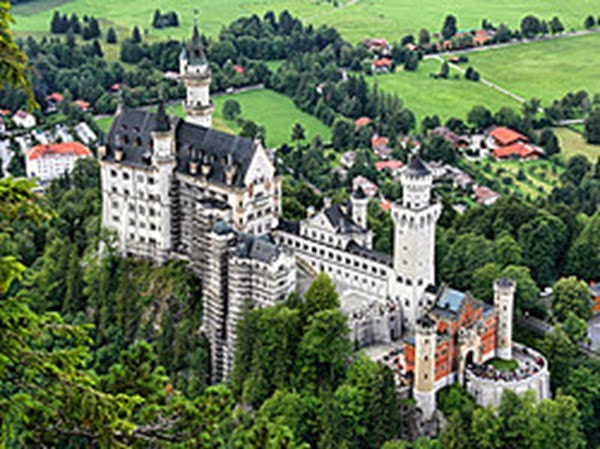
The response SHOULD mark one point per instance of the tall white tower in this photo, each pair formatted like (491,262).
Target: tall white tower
(414,241)
(195,72)
(504,297)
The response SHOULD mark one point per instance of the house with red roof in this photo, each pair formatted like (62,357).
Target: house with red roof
(393,166)
(361,121)
(55,98)
(506,143)
(367,186)
(379,145)
(48,162)
(83,105)
(485,196)
(383,65)
(239,69)
(386,205)
(503,136)
(377,45)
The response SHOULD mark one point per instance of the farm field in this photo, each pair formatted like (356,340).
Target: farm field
(573,143)
(355,19)
(446,98)
(546,70)
(276,112)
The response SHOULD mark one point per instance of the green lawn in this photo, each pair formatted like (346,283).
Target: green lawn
(573,143)
(446,98)
(355,19)
(276,112)
(545,70)
(504,365)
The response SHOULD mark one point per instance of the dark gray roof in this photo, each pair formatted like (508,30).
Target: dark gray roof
(162,120)
(416,167)
(252,247)
(131,132)
(382,258)
(291,227)
(505,282)
(196,50)
(340,221)
(359,194)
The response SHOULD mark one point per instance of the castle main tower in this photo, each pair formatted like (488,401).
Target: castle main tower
(196,75)
(414,240)
(504,297)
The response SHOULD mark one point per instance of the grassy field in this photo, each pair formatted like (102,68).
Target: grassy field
(545,70)
(276,112)
(573,143)
(446,98)
(355,19)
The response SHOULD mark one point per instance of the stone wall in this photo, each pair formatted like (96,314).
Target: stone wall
(489,392)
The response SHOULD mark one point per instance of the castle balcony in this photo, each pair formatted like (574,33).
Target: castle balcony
(487,383)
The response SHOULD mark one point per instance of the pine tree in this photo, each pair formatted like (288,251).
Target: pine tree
(136,37)
(111,36)
(157,20)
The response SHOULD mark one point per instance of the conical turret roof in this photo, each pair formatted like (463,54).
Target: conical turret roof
(416,167)
(197,54)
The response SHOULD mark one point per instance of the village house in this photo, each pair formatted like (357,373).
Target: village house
(392,165)
(378,45)
(451,137)
(485,196)
(347,159)
(379,145)
(83,105)
(24,119)
(507,143)
(48,162)
(370,189)
(383,65)
(361,121)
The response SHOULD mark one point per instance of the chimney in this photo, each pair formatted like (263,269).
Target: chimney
(118,154)
(193,167)
(310,212)
(101,152)
(326,202)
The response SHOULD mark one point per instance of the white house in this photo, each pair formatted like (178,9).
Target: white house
(47,162)
(24,119)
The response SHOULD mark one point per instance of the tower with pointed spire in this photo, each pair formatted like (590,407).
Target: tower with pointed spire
(196,75)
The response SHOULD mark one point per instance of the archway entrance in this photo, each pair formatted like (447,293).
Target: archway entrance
(470,358)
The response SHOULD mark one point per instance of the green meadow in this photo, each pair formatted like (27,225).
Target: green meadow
(355,19)
(447,98)
(573,143)
(546,70)
(276,112)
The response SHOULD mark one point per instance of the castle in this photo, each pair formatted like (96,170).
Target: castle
(175,188)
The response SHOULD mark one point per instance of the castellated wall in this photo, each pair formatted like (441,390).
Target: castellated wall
(489,392)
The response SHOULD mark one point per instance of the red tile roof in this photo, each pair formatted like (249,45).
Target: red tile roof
(506,136)
(379,141)
(392,165)
(383,62)
(55,97)
(519,149)
(484,193)
(362,121)
(386,205)
(74,148)
(84,105)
